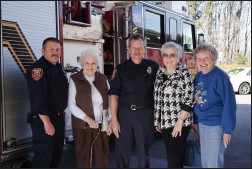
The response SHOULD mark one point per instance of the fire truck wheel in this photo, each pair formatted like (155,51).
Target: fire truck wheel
(22,163)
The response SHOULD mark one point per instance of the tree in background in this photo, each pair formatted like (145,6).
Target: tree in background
(247,33)
(226,25)
(240,59)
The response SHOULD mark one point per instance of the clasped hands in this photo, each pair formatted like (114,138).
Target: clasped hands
(93,124)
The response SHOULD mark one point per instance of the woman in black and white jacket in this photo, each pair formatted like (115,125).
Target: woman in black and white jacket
(174,101)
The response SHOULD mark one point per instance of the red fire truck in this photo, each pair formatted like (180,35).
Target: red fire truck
(120,19)
(157,24)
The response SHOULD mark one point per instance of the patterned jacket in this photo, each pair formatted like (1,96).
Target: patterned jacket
(173,94)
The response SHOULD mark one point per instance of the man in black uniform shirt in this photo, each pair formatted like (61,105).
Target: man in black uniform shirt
(48,87)
(131,91)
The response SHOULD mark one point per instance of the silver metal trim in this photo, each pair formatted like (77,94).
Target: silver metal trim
(133,107)
(70,21)
(57,19)
(2,84)
(166,10)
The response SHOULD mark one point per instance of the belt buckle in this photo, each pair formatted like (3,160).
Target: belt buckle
(133,107)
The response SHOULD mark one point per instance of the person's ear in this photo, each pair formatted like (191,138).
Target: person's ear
(42,51)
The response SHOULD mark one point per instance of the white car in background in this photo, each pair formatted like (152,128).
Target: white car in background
(241,79)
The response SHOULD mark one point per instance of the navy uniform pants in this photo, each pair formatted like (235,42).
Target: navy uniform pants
(47,149)
(137,127)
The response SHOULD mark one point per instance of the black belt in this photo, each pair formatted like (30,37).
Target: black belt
(33,116)
(137,107)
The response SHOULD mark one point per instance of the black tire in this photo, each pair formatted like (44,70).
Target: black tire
(244,88)
(22,163)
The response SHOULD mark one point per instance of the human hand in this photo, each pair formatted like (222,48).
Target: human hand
(91,122)
(177,128)
(226,139)
(158,127)
(114,74)
(116,128)
(109,130)
(49,128)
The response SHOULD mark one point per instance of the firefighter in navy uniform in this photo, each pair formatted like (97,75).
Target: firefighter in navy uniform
(132,100)
(48,88)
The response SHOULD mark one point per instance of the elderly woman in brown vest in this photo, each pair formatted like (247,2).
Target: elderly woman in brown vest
(89,104)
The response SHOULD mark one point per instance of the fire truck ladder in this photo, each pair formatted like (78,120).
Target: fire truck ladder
(15,41)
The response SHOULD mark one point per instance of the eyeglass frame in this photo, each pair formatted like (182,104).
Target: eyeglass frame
(171,56)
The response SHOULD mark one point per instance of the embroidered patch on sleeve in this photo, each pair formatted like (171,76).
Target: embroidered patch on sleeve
(114,74)
(37,73)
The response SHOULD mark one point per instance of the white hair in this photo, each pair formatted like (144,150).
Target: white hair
(176,46)
(88,53)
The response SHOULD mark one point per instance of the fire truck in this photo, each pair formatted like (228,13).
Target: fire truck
(102,25)
(156,23)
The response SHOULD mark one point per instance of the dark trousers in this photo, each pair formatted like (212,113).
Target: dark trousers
(85,151)
(47,149)
(175,146)
(136,127)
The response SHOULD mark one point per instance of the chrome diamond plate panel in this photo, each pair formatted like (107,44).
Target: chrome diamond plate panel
(92,33)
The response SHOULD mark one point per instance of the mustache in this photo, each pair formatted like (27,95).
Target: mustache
(54,55)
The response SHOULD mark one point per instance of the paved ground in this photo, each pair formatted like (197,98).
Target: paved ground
(238,154)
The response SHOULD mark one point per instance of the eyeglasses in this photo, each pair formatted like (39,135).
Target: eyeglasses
(171,56)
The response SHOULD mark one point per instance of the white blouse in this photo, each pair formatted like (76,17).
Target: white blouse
(96,100)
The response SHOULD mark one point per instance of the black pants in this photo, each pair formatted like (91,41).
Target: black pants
(47,149)
(136,127)
(175,146)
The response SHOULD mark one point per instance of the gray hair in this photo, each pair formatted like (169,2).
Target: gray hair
(88,53)
(205,47)
(172,45)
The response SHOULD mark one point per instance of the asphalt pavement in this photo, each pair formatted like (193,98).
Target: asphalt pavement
(238,153)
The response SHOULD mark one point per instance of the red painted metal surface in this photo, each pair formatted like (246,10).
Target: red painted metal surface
(155,54)
(188,60)
(190,63)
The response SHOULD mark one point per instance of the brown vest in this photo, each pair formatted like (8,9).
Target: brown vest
(84,96)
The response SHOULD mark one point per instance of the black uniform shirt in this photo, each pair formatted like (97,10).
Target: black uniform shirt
(48,87)
(134,83)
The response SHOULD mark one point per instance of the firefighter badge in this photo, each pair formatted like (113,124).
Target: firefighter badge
(149,70)
(114,74)
(37,73)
